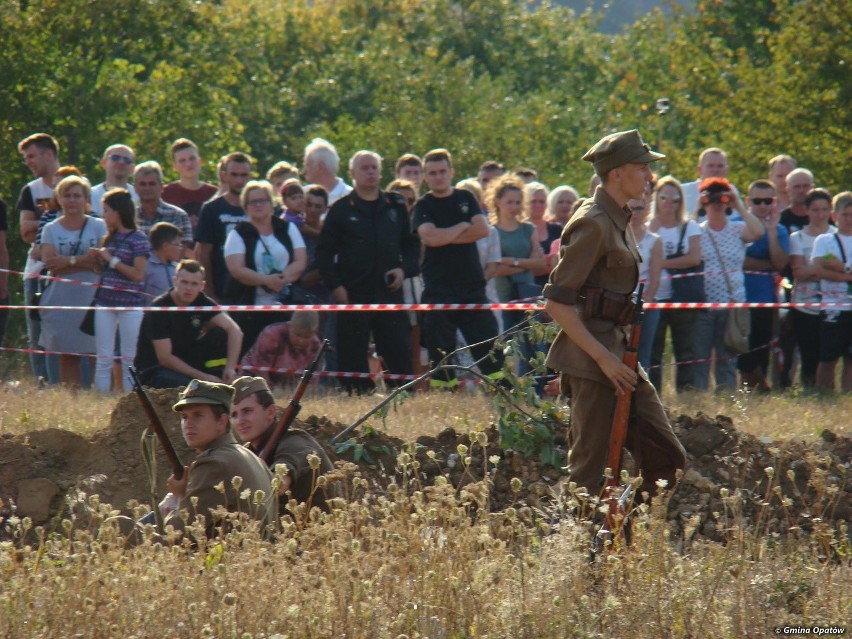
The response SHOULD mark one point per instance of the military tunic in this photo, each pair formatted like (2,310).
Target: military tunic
(292,450)
(221,462)
(598,249)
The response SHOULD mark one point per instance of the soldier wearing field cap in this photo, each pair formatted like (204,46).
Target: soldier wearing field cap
(255,416)
(588,295)
(205,409)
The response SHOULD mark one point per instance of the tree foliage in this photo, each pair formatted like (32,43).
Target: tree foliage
(522,82)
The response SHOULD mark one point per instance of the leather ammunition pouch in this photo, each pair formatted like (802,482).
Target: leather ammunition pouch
(599,303)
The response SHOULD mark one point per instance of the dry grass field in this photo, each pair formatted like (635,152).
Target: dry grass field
(424,561)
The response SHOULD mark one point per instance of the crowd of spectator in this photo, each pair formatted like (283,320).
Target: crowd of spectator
(310,237)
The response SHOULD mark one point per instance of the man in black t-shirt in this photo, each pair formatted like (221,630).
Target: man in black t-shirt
(218,217)
(177,346)
(800,182)
(449,222)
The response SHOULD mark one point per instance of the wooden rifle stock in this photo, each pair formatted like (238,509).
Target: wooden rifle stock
(293,407)
(156,425)
(620,419)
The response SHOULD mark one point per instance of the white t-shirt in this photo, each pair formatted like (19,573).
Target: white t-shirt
(645,246)
(489,252)
(826,244)
(669,236)
(98,193)
(802,244)
(341,189)
(41,194)
(270,256)
(732,248)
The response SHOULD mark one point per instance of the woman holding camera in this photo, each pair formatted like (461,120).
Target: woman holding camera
(723,247)
(265,257)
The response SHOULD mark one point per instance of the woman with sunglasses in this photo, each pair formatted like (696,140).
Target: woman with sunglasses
(723,247)
(681,248)
(265,256)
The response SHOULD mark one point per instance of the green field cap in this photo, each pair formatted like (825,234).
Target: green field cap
(198,392)
(245,386)
(618,149)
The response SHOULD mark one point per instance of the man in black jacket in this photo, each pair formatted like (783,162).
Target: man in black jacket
(365,250)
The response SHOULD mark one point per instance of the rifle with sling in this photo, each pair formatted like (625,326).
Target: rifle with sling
(617,504)
(156,425)
(293,407)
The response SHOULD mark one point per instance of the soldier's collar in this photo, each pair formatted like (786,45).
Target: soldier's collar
(620,216)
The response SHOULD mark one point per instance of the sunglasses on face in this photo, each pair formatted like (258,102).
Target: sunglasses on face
(115,157)
(257,202)
(762,200)
(670,198)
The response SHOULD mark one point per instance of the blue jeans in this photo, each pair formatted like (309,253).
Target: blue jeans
(45,367)
(649,332)
(710,337)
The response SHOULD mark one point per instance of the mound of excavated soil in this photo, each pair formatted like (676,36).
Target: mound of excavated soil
(38,469)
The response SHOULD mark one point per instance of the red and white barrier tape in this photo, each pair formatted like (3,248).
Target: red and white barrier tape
(54,278)
(506,306)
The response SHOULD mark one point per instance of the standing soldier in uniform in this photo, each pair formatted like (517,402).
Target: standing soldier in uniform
(589,297)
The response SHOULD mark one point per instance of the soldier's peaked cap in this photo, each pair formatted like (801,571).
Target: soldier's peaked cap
(618,149)
(199,392)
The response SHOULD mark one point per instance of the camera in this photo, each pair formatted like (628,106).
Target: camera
(714,198)
(663,106)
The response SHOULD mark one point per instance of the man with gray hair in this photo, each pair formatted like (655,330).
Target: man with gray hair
(800,182)
(148,178)
(118,162)
(321,165)
(779,168)
(712,162)
(365,251)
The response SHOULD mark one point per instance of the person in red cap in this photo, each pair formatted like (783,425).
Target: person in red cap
(599,261)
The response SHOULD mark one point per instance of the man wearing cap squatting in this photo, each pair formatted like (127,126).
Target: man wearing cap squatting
(587,296)
(205,409)
(255,417)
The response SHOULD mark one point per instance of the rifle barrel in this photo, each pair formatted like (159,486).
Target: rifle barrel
(156,425)
(293,407)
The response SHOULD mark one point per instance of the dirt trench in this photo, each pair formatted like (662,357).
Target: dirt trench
(37,470)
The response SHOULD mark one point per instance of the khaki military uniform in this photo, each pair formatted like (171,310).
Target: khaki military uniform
(292,450)
(598,249)
(220,463)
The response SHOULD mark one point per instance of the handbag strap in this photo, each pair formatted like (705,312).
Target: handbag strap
(76,245)
(721,264)
(680,241)
(840,244)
